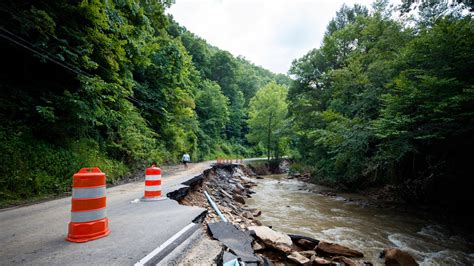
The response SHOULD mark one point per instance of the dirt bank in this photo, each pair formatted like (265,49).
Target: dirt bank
(229,186)
(394,197)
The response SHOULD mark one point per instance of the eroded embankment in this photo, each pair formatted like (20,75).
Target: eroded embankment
(244,236)
(229,186)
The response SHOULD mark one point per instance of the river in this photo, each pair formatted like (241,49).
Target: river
(296,207)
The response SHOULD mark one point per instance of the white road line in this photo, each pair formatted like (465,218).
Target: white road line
(163,246)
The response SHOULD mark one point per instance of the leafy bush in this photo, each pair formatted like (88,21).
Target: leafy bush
(30,168)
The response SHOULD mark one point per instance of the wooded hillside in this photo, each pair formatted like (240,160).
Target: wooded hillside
(387,100)
(113,84)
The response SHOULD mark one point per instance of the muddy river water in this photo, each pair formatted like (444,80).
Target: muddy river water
(295,207)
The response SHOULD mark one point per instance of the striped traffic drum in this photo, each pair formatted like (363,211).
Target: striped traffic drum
(153,184)
(88,209)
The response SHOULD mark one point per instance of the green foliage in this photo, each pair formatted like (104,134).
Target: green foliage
(267,113)
(429,110)
(379,102)
(36,168)
(121,78)
(212,109)
(238,78)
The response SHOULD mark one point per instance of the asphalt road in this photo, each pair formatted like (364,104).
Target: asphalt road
(35,234)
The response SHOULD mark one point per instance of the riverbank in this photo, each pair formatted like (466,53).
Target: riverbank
(232,187)
(350,219)
(390,196)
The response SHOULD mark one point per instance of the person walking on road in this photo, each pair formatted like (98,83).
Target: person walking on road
(186,159)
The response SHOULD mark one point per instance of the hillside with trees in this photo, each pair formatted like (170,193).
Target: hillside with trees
(113,84)
(386,100)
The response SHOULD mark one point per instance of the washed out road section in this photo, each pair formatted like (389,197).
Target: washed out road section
(36,234)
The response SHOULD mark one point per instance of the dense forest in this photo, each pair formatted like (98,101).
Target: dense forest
(387,97)
(390,99)
(114,84)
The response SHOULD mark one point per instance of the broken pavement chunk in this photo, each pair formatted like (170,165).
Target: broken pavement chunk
(238,241)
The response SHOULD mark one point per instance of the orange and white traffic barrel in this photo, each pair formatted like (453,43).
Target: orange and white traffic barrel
(153,184)
(88,209)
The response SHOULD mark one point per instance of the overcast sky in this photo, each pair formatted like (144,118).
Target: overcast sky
(269,33)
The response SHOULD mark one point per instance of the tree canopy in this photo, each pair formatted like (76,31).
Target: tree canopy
(386,102)
(267,119)
(115,84)
(119,84)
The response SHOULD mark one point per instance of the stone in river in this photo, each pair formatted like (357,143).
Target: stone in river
(298,258)
(308,253)
(257,246)
(336,249)
(225,193)
(395,256)
(319,261)
(239,199)
(306,244)
(247,215)
(273,238)
(345,260)
(309,243)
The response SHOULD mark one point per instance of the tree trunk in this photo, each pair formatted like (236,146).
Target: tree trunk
(269,136)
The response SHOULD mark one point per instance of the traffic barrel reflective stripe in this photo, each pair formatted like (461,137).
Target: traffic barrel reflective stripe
(153,177)
(80,217)
(152,184)
(153,188)
(85,193)
(88,206)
